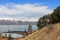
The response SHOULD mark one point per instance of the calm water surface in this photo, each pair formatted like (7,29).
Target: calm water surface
(4,28)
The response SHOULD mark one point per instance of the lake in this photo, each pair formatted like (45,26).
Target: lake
(4,28)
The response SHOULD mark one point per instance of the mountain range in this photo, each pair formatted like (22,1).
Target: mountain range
(16,22)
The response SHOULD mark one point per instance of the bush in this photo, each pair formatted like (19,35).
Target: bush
(9,37)
(53,18)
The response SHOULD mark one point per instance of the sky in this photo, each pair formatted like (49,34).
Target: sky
(26,10)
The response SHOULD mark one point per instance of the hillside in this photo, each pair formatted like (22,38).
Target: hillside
(47,33)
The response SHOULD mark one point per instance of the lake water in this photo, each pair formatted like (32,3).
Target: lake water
(4,28)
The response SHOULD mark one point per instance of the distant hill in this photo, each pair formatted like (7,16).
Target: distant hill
(46,33)
(14,22)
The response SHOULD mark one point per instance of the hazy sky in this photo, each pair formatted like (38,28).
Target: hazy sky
(26,10)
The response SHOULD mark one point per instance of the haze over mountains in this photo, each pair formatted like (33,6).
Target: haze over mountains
(16,22)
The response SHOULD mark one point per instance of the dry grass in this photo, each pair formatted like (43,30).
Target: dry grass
(47,33)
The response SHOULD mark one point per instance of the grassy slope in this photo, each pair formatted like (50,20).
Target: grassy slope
(51,33)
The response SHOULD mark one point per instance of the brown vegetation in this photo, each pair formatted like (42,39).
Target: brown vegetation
(45,33)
